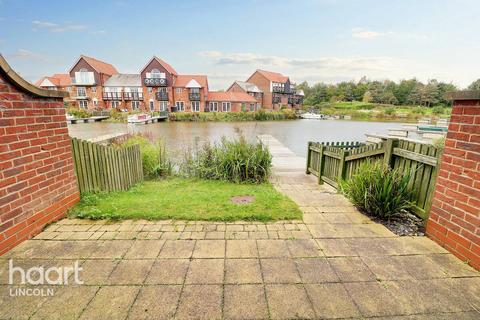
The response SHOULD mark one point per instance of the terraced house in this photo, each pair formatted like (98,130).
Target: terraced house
(277,90)
(88,78)
(95,84)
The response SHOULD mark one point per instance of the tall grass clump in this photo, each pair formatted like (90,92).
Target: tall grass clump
(379,190)
(235,160)
(155,161)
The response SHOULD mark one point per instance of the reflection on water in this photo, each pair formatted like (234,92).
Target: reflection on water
(293,134)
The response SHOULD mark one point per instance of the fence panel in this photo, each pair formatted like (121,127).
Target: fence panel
(104,168)
(335,161)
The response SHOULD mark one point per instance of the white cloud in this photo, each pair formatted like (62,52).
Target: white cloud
(98,32)
(24,54)
(366,34)
(55,27)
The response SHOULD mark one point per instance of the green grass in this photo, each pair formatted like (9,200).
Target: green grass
(188,199)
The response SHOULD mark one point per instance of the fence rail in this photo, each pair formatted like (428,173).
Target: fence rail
(104,168)
(333,162)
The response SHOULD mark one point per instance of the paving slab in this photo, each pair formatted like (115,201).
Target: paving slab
(156,302)
(245,302)
(200,302)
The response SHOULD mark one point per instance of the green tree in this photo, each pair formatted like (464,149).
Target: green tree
(475,85)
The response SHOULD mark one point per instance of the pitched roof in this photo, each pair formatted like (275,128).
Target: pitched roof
(193,84)
(100,66)
(183,80)
(230,96)
(248,86)
(167,67)
(58,79)
(273,76)
(124,80)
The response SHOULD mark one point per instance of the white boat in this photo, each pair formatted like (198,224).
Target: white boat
(70,117)
(309,115)
(139,118)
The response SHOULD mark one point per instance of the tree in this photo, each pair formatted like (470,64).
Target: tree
(475,85)
(367,97)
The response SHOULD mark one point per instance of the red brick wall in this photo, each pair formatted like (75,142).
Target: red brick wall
(37,178)
(454,220)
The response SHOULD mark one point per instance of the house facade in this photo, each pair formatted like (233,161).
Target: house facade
(57,82)
(277,89)
(88,78)
(249,88)
(230,102)
(123,92)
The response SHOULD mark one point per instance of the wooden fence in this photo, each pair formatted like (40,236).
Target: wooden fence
(332,162)
(104,168)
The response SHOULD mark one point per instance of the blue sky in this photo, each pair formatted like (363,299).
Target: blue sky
(312,40)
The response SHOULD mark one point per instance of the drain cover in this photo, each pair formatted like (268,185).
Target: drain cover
(242,199)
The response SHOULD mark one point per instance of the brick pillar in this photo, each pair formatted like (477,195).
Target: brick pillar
(37,177)
(454,220)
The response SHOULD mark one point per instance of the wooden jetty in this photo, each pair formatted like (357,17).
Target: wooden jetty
(148,120)
(87,120)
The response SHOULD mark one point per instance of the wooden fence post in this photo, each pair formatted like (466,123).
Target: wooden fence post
(341,168)
(309,152)
(387,160)
(320,164)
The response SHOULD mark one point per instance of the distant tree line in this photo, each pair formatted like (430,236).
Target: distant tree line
(405,92)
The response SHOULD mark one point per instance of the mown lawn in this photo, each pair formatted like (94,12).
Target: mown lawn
(188,199)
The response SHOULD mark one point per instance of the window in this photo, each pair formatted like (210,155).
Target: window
(252,106)
(178,90)
(135,105)
(152,106)
(226,106)
(81,92)
(162,89)
(163,105)
(150,89)
(213,106)
(259,106)
(194,90)
(196,106)
(95,102)
(94,89)
(84,75)
(155,73)
(83,104)
(244,108)
(69,89)
(179,105)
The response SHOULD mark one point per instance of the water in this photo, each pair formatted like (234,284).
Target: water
(294,134)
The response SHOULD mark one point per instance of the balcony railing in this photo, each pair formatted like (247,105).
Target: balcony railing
(194,96)
(155,82)
(133,95)
(112,96)
(162,96)
(278,89)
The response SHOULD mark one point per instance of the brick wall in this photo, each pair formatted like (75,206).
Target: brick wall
(454,220)
(37,178)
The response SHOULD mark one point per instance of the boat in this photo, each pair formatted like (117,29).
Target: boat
(70,117)
(310,115)
(139,118)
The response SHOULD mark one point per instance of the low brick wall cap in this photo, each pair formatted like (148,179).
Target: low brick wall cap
(25,85)
(463,95)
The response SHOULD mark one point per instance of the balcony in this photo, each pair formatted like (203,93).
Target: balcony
(155,82)
(162,96)
(278,89)
(112,96)
(133,96)
(194,96)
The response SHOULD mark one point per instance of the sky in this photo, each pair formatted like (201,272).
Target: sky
(308,40)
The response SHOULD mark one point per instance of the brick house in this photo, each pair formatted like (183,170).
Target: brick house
(37,177)
(277,90)
(190,93)
(157,79)
(88,77)
(251,89)
(123,92)
(59,82)
(230,102)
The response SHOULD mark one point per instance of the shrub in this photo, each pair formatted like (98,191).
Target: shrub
(78,113)
(230,160)
(155,162)
(378,190)
(437,110)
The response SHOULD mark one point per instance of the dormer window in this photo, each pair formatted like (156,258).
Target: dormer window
(84,77)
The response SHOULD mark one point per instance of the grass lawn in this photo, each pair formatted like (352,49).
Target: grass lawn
(187,199)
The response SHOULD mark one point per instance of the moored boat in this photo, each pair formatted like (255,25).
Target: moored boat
(139,118)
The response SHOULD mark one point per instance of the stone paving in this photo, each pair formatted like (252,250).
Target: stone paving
(336,263)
